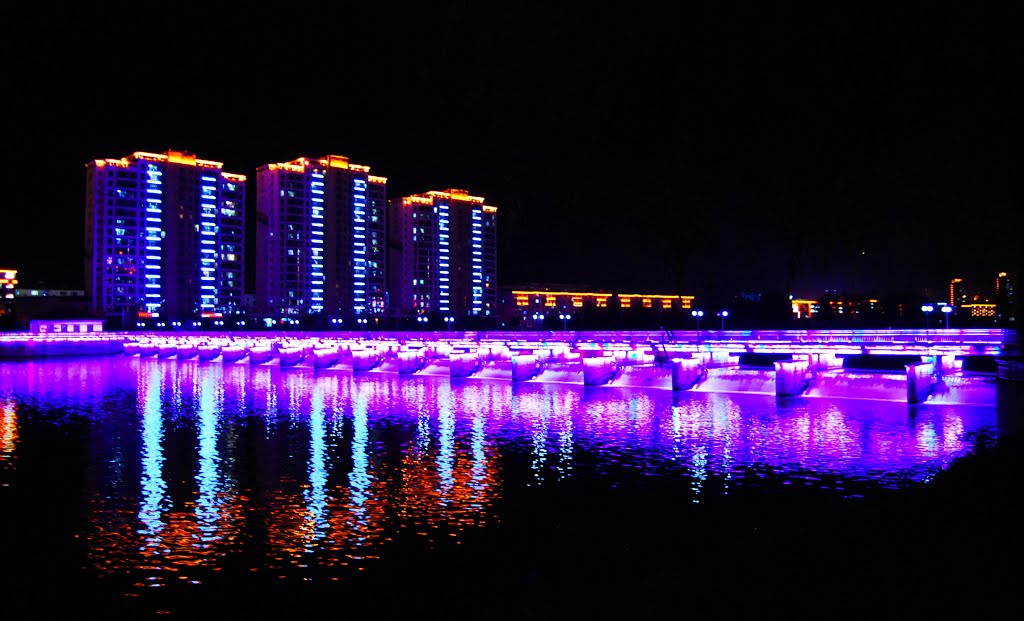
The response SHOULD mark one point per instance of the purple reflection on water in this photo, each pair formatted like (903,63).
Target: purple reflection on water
(296,472)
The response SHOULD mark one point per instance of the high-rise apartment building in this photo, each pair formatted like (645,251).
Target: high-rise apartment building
(165,236)
(1006,296)
(958,294)
(443,249)
(8,282)
(320,238)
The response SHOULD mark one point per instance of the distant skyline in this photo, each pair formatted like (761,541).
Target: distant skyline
(704,151)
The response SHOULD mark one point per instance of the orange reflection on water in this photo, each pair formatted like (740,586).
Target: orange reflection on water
(8,439)
(328,496)
(167,536)
(8,430)
(434,493)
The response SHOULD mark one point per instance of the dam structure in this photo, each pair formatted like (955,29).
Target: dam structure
(915,366)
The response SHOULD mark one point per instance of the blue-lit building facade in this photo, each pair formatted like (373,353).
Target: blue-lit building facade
(165,237)
(320,239)
(443,255)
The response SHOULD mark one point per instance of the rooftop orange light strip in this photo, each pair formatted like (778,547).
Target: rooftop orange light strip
(416,200)
(171,157)
(177,157)
(300,164)
(520,292)
(453,194)
(655,295)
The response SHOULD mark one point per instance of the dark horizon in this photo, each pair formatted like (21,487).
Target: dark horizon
(770,149)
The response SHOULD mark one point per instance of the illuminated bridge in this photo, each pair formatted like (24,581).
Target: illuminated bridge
(786,363)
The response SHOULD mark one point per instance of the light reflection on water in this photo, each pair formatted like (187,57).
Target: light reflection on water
(295,473)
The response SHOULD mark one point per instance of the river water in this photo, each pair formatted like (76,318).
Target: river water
(173,488)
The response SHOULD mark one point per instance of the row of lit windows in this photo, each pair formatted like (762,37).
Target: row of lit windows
(600,301)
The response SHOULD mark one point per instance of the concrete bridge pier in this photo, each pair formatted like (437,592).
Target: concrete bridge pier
(525,366)
(598,371)
(792,377)
(920,381)
(823,361)
(411,361)
(464,364)
(326,357)
(687,373)
(366,359)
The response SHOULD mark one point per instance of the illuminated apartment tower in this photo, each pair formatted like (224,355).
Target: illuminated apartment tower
(164,236)
(1006,296)
(320,238)
(443,254)
(958,295)
(8,281)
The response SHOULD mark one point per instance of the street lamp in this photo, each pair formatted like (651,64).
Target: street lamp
(927,309)
(723,314)
(449,320)
(564,317)
(698,314)
(421,319)
(538,317)
(362,320)
(946,310)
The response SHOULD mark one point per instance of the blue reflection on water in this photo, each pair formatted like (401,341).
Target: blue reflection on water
(316,493)
(359,477)
(300,472)
(154,488)
(209,391)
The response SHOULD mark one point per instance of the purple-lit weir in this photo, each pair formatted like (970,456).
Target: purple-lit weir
(811,363)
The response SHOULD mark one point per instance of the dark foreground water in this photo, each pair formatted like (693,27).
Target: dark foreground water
(142,488)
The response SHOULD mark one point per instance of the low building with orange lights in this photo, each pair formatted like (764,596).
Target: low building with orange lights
(836,306)
(533,306)
(979,309)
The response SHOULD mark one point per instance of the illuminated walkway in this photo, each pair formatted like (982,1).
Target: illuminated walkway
(800,363)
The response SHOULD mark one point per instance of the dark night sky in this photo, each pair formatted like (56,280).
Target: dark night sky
(769,146)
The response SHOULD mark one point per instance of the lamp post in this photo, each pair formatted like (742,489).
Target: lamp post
(564,317)
(538,318)
(946,310)
(927,309)
(698,314)
(362,321)
(448,320)
(723,314)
